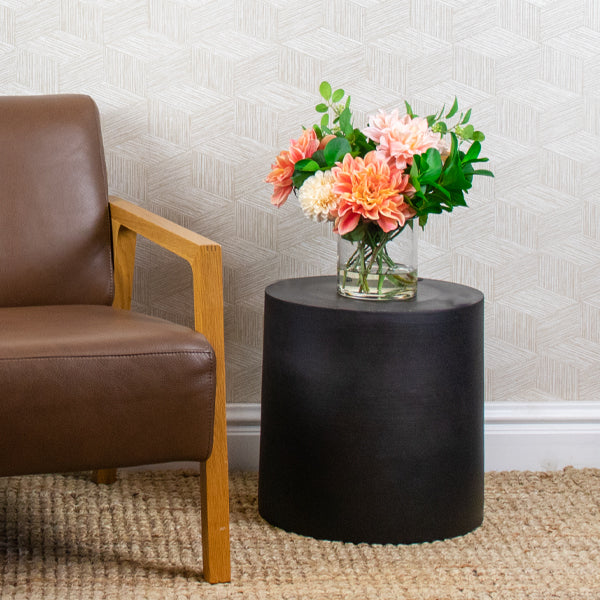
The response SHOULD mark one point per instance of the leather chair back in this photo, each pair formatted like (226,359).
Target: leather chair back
(54,220)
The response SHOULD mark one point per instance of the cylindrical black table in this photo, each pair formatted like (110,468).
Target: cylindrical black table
(372,413)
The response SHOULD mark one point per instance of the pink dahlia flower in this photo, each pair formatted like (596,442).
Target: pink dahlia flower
(400,138)
(369,189)
(282,169)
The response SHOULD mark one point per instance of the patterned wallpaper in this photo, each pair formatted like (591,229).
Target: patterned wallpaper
(198,96)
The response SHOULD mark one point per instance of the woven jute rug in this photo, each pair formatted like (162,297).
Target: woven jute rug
(64,537)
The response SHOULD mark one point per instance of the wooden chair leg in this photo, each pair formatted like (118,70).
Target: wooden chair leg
(106,476)
(214,475)
(215,525)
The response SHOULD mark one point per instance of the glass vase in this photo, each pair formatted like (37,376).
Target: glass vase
(374,265)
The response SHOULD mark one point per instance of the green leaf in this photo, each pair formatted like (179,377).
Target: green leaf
(453,177)
(414,175)
(458,199)
(357,234)
(483,172)
(431,166)
(409,110)
(319,157)
(454,109)
(325,90)
(467,132)
(318,131)
(337,95)
(306,164)
(360,144)
(346,121)
(440,189)
(322,108)
(335,150)
(325,121)
(300,177)
(472,153)
(467,117)
(478,136)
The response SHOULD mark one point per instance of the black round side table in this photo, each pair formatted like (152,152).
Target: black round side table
(372,413)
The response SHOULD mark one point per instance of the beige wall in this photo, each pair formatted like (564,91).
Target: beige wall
(198,96)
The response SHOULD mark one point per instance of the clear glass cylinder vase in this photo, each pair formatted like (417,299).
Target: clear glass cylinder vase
(374,265)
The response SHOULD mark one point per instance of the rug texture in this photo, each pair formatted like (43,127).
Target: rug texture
(63,537)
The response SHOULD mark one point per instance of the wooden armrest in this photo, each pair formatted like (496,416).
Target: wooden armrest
(169,235)
(203,255)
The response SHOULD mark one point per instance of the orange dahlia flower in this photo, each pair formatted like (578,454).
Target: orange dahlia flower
(282,169)
(368,189)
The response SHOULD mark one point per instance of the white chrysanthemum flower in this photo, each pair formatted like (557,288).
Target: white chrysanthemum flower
(316,196)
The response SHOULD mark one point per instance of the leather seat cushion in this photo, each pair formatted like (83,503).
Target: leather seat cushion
(90,386)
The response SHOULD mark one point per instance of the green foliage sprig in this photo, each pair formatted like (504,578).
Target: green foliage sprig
(440,182)
(442,185)
(336,120)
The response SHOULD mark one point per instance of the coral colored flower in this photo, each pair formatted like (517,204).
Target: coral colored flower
(400,138)
(369,189)
(317,198)
(282,169)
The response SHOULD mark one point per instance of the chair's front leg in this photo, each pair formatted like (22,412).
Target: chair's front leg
(215,506)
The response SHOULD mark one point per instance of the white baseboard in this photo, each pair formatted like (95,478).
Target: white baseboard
(518,436)
(243,436)
(542,436)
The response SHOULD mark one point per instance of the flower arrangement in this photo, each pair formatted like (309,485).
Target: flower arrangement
(376,181)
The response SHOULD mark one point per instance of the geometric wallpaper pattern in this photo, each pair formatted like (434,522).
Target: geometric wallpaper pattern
(198,96)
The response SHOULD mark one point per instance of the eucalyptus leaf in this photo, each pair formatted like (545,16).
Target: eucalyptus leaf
(336,149)
(337,95)
(325,90)
(319,157)
(466,118)
(321,108)
(468,132)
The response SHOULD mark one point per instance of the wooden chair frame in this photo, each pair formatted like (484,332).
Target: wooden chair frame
(204,256)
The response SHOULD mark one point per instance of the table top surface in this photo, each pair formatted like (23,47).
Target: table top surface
(321,292)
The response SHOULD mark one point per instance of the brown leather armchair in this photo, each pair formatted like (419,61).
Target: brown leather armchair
(86,384)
